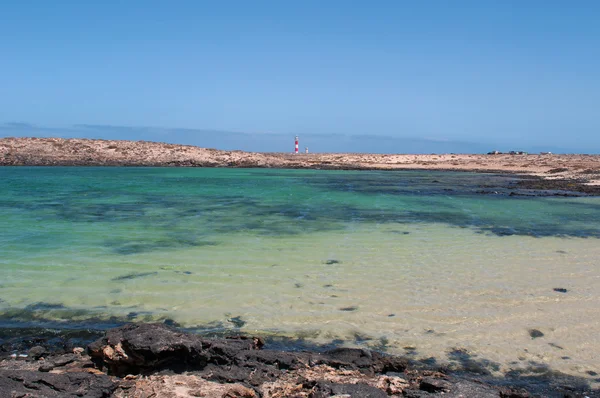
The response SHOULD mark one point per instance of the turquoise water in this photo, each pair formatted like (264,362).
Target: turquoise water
(409,261)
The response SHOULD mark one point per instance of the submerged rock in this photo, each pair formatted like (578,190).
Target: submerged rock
(534,333)
(237,321)
(133,276)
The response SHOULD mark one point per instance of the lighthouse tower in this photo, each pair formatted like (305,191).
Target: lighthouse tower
(296,148)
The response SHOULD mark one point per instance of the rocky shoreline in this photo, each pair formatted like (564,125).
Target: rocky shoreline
(155,360)
(545,174)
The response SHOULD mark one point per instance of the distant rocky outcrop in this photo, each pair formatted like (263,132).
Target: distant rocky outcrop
(85,152)
(575,173)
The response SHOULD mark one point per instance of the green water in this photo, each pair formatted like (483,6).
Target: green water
(403,261)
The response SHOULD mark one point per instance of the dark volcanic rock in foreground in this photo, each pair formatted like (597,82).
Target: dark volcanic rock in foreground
(153,360)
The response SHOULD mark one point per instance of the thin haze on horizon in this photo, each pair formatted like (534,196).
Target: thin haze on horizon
(388,76)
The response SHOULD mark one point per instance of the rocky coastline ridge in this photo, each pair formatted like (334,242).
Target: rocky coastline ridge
(156,360)
(576,173)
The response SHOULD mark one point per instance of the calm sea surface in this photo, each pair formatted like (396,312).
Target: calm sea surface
(409,262)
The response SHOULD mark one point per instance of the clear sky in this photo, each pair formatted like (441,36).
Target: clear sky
(499,74)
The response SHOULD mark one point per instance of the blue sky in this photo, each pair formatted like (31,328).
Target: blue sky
(382,76)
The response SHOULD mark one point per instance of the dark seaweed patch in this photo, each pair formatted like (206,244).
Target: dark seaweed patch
(429,362)
(382,345)
(501,231)
(145,316)
(461,359)
(57,315)
(541,378)
(42,306)
(132,248)
(133,276)
(360,338)
(137,247)
(201,199)
(103,212)
(226,211)
(132,315)
(352,308)
(237,321)
(181,272)
(172,323)
(299,343)
(409,182)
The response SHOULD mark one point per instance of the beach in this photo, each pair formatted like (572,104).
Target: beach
(483,264)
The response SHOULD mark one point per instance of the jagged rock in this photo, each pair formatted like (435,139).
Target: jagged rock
(157,360)
(37,352)
(59,361)
(431,384)
(23,383)
(137,348)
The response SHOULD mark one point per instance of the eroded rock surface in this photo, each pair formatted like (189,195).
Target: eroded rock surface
(155,360)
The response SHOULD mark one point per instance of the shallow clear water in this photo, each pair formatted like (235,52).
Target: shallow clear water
(410,262)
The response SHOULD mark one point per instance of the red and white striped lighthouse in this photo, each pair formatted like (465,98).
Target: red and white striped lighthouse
(296,149)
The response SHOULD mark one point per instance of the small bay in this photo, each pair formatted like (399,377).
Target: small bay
(414,262)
